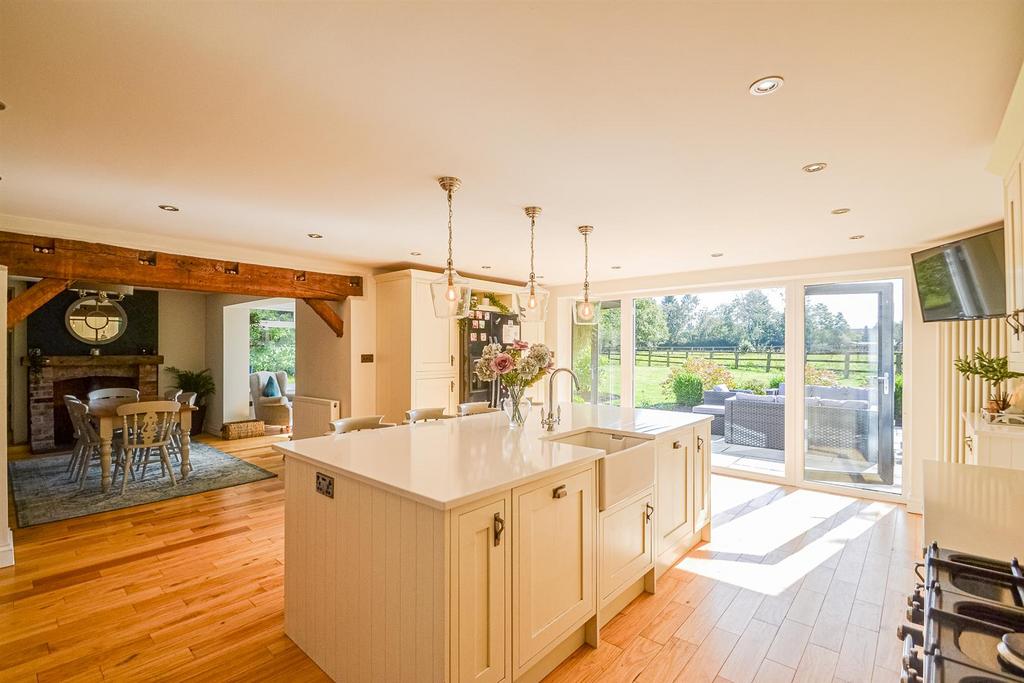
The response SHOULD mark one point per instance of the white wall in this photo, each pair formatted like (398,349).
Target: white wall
(6,540)
(920,343)
(329,367)
(182,332)
(227,356)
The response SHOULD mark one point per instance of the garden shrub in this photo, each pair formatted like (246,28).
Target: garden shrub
(687,388)
(753,384)
(897,399)
(820,377)
(776,379)
(709,372)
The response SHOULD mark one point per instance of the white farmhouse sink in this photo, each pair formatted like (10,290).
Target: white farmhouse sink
(626,469)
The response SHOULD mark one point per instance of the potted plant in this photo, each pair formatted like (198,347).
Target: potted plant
(202,384)
(993,369)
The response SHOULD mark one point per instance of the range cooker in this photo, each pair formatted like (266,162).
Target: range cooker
(969,612)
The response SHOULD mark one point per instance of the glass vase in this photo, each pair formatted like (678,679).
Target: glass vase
(516,407)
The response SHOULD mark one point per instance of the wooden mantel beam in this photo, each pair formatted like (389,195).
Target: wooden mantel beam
(68,260)
(21,306)
(328,315)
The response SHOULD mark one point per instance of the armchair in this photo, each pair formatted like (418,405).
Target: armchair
(272,410)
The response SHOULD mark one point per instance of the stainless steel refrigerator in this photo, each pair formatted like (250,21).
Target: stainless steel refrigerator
(483,327)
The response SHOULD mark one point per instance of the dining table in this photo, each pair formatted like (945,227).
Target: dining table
(104,412)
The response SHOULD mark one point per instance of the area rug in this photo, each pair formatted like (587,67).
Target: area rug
(43,492)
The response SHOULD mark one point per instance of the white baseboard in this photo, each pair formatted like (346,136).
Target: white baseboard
(6,548)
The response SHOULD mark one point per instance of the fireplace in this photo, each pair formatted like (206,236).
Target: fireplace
(51,377)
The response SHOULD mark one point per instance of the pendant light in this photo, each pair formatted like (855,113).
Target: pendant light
(531,303)
(585,311)
(451,292)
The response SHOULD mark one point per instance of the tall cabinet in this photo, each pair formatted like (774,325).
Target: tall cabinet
(418,354)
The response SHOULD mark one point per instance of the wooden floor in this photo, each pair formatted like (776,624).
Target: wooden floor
(191,590)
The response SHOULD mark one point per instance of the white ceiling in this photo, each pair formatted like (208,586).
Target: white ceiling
(264,122)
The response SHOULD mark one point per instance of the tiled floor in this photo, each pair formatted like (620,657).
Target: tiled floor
(795,586)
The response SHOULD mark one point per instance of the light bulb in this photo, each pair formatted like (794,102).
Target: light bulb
(532,301)
(450,293)
(586,310)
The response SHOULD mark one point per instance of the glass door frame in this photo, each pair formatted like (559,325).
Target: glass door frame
(794,325)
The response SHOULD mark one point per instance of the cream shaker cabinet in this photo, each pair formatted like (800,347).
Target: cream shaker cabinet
(553,536)
(675,486)
(481,611)
(701,476)
(626,543)
(1013,230)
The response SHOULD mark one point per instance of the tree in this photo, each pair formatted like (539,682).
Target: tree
(824,330)
(649,322)
(680,315)
(271,347)
(755,321)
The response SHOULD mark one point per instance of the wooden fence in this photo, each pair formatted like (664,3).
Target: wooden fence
(843,363)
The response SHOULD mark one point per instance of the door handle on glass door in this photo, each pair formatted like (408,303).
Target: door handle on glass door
(885,384)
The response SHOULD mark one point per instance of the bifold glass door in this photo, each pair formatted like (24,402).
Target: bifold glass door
(853,384)
(597,357)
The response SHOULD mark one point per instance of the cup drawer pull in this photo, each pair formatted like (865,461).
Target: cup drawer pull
(559,492)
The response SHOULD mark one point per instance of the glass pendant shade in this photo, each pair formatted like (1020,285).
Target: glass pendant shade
(585,311)
(451,294)
(531,304)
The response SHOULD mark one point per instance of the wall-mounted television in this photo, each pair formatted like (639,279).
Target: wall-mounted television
(962,280)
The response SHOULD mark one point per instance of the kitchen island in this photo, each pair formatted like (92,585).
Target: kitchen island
(462,550)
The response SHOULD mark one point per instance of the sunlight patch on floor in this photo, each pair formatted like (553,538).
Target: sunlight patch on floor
(732,492)
(774,578)
(777,523)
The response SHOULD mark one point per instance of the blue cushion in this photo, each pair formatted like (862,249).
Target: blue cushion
(271,389)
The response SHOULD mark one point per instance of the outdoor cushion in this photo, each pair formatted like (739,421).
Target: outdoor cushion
(720,387)
(831,402)
(705,409)
(812,401)
(271,390)
(857,405)
(755,398)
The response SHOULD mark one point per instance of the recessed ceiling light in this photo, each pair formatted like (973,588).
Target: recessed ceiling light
(616,267)
(717,254)
(314,235)
(815,167)
(168,207)
(766,85)
(415,253)
(840,212)
(486,267)
(856,237)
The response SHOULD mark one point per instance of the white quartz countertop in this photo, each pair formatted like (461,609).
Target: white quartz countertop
(446,463)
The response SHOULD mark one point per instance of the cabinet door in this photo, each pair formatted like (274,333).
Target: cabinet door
(701,476)
(1013,231)
(480,580)
(675,507)
(434,392)
(434,340)
(553,561)
(627,543)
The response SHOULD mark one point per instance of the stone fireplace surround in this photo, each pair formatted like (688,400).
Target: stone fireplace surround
(44,372)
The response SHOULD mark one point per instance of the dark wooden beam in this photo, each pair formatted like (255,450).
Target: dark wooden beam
(62,259)
(21,306)
(328,314)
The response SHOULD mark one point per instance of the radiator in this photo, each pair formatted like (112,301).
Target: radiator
(312,416)
(958,394)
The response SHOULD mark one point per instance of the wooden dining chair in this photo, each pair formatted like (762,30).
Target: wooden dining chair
(356,424)
(87,446)
(72,466)
(147,428)
(475,408)
(187,398)
(424,414)
(117,392)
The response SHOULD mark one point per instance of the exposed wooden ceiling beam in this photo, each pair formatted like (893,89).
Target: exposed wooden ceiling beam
(328,315)
(63,259)
(21,306)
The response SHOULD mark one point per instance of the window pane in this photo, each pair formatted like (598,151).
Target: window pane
(720,354)
(597,357)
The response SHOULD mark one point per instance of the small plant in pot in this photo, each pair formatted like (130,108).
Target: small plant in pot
(993,369)
(200,382)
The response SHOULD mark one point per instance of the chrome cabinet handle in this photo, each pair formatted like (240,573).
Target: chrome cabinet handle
(559,492)
(650,512)
(499,527)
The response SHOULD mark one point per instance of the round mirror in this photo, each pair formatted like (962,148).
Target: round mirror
(96,320)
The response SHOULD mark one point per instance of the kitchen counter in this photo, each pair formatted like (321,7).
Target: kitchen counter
(446,463)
